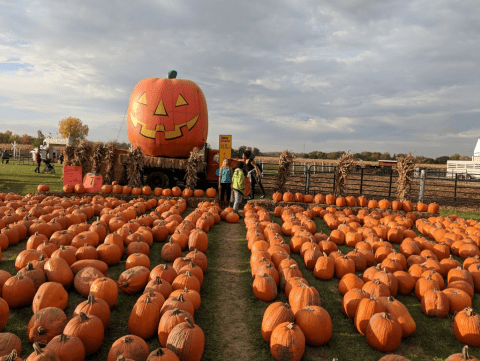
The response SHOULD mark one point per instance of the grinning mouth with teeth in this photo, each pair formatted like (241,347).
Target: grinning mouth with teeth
(169,134)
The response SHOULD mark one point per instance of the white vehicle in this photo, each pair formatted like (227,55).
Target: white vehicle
(466,169)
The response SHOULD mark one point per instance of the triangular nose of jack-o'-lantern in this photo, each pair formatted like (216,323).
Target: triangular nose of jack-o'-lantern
(167,117)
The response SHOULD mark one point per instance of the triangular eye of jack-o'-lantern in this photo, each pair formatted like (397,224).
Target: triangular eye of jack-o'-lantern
(167,117)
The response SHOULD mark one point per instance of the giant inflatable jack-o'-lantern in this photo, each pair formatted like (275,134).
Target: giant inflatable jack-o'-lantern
(167,117)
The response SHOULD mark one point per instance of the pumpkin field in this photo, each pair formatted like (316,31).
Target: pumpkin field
(164,274)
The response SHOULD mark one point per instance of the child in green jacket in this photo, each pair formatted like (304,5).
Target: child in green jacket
(238,185)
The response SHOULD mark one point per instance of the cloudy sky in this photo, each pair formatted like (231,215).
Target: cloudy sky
(371,75)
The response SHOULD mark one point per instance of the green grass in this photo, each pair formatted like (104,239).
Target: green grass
(462,214)
(21,178)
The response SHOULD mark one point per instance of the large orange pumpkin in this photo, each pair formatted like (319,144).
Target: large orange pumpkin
(167,116)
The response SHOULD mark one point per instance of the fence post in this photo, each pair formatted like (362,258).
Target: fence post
(421,191)
(361,180)
(455,190)
(307,180)
(390,184)
(293,168)
(333,183)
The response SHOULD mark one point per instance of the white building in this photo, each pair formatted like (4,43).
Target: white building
(466,169)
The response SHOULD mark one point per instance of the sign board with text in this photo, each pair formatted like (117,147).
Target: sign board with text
(225,148)
(72,175)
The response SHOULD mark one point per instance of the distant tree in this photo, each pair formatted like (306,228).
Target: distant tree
(385,156)
(400,155)
(366,156)
(456,156)
(73,128)
(234,153)
(256,152)
(39,140)
(465,157)
(429,161)
(26,139)
(441,160)
(5,137)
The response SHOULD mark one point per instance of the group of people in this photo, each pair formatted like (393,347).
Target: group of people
(232,182)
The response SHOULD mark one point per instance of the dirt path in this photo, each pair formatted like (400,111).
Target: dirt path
(232,307)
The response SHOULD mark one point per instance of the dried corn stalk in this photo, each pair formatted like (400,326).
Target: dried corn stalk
(98,151)
(83,156)
(134,167)
(195,164)
(70,155)
(110,152)
(284,169)
(345,165)
(405,169)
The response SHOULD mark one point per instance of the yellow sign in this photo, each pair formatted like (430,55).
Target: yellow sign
(225,148)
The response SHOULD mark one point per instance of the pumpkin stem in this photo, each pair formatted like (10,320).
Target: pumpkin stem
(63,338)
(465,354)
(84,317)
(30,266)
(91,299)
(127,339)
(41,330)
(159,352)
(180,297)
(12,356)
(291,325)
(190,323)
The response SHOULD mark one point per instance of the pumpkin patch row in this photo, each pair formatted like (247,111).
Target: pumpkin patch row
(291,325)
(351,201)
(136,191)
(79,263)
(381,282)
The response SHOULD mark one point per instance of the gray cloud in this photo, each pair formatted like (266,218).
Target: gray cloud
(335,75)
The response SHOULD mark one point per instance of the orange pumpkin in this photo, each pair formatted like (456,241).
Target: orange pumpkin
(43,188)
(211,192)
(167,117)
(79,188)
(157,192)
(187,193)
(146,190)
(106,188)
(68,188)
(287,197)
(277,197)
(198,193)
(176,192)
(298,197)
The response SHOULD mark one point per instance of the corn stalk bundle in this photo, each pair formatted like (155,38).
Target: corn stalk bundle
(83,155)
(98,151)
(284,164)
(70,155)
(345,165)
(110,152)
(405,169)
(195,164)
(134,167)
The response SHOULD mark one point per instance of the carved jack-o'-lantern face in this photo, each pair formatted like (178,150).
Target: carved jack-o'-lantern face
(167,117)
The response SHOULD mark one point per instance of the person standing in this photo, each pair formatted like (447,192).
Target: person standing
(5,156)
(61,158)
(225,180)
(253,174)
(238,184)
(38,160)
